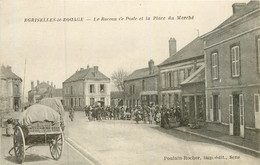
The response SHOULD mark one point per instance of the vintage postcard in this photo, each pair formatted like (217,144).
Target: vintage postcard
(120,82)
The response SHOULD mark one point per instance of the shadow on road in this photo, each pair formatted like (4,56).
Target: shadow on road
(28,158)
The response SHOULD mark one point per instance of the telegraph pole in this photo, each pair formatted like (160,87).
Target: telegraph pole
(24,82)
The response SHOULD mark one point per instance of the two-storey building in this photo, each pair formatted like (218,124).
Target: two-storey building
(232,55)
(141,86)
(10,90)
(182,79)
(85,87)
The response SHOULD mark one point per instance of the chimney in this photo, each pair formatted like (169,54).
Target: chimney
(32,85)
(238,6)
(38,82)
(81,69)
(172,46)
(151,66)
(95,70)
(51,84)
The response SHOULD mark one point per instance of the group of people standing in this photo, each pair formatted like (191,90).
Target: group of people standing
(98,112)
(159,115)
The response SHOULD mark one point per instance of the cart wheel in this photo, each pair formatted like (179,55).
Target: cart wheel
(19,144)
(56,146)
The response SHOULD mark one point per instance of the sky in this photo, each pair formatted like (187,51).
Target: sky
(55,50)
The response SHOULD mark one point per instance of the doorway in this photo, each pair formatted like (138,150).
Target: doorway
(236,113)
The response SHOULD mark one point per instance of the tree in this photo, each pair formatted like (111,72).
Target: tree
(118,78)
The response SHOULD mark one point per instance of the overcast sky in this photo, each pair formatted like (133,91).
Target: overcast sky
(55,50)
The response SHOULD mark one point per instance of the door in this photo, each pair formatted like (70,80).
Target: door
(257,113)
(242,116)
(219,107)
(236,114)
(231,118)
(215,108)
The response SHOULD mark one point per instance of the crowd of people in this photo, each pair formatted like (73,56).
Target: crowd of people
(159,115)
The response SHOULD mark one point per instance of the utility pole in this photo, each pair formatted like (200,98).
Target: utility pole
(24,83)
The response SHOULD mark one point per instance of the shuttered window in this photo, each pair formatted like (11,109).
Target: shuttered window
(214,63)
(235,61)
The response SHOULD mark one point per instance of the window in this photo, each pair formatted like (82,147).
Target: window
(133,89)
(92,88)
(175,79)
(257,113)
(92,101)
(102,99)
(163,80)
(102,88)
(143,85)
(130,89)
(16,89)
(163,99)
(79,102)
(258,54)
(189,71)
(214,63)
(170,100)
(71,90)
(235,62)
(169,79)
(181,76)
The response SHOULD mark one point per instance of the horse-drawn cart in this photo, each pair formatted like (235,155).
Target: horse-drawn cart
(39,125)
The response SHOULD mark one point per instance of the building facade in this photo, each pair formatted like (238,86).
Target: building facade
(141,86)
(43,90)
(85,87)
(232,53)
(10,90)
(117,98)
(181,80)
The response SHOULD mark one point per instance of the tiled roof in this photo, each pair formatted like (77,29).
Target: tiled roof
(6,73)
(142,73)
(87,74)
(193,49)
(250,6)
(116,94)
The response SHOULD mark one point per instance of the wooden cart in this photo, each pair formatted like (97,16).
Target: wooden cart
(38,134)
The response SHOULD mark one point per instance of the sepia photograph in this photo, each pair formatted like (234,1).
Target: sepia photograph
(120,82)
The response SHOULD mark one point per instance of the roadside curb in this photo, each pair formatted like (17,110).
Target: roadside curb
(85,153)
(246,149)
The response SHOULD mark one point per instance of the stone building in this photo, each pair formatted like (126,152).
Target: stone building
(141,86)
(85,87)
(43,90)
(10,90)
(232,55)
(182,80)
